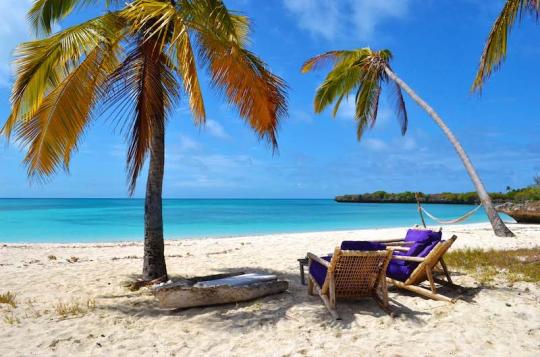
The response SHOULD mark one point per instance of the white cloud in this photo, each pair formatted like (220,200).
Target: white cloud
(320,17)
(301,116)
(375,144)
(13,30)
(188,144)
(216,129)
(329,18)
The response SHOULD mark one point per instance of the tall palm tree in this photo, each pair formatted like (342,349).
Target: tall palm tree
(133,63)
(364,72)
(495,48)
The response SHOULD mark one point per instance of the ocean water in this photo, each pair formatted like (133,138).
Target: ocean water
(103,220)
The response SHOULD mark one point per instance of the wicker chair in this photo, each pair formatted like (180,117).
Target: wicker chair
(350,274)
(417,269)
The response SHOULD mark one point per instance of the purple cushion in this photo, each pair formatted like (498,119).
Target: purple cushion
(422,235)
(399,271)
(360,245)
(422,239)
(427,249)
(318,271)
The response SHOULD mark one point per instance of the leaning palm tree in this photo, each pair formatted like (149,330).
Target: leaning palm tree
(133,63)
(364,72)
(495,48)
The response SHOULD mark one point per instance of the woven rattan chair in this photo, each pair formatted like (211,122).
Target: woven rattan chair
(349,274)
(424,270)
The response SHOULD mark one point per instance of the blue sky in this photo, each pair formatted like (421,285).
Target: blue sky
(436,46)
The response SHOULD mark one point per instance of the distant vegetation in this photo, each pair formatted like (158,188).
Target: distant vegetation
(531,193)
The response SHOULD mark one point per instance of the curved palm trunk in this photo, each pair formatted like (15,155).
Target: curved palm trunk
(498,225)
(154,255)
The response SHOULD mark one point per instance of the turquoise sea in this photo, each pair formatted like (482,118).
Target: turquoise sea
(99,220)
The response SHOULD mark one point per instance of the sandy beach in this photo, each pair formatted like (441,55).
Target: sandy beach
(501,319)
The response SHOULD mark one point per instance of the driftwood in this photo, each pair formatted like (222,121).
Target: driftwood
(183,294)
(136,285)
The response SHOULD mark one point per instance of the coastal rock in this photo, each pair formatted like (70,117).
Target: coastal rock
(525,212)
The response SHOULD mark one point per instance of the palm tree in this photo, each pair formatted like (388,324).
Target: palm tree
(133,63)
(363,72)
(495,48)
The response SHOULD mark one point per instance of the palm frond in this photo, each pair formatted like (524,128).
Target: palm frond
(151,19)
(41,65)
(53,131)
(367,105)
(323,59)
(45,13)
(245,82)
(495,49)
(361,71)
(187,70)
(400,108)
(204,15)
(145,88)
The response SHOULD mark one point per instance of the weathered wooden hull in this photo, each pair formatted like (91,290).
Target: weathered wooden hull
(180,296)
(526,212)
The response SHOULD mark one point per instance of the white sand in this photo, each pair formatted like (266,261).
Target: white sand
(500,320)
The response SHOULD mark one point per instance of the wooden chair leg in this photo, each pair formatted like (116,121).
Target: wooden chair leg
(331,309)
(430,278)
(420,291)
(332,292)
(445,270)
(310,286)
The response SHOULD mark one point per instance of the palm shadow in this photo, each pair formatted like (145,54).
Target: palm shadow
(294,304)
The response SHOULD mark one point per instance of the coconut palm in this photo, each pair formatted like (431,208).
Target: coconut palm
(133,63)
(495,48)
(363,72)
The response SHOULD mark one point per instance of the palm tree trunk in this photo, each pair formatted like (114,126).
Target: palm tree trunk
(154,255)
(498,225)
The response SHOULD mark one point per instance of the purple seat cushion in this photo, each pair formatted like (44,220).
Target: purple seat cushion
(360,245)
(422,239)
(397,270)
(401,269)
(318,271)
(422,235)
(428,249)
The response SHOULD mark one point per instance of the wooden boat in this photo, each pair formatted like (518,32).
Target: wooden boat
(216,290)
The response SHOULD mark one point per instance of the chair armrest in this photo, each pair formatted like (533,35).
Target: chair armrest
(400,249)
(408,259)
(319,260)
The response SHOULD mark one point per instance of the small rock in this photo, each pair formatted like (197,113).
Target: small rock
(507,304)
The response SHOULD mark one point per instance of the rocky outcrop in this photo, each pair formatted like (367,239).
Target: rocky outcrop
(524,212)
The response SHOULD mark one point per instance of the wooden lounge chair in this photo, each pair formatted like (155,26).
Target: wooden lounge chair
(425,268)
(350,274)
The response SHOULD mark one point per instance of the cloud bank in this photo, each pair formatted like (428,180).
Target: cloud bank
(329,19)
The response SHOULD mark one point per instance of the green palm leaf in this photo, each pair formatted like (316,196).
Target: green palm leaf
(361,72)
(495,49)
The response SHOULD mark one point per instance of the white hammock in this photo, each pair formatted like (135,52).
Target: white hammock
(452,221)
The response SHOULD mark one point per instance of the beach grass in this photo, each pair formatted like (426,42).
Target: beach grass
(486,265)
(74,308)
(8,298)
(11,319)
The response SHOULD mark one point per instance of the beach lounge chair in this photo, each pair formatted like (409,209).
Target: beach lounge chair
(416,259)
(355,270)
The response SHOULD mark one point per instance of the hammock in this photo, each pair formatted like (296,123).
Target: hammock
(452,221)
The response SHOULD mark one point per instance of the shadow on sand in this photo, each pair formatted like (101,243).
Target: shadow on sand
(294,304)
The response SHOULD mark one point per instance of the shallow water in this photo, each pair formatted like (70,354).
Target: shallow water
(95,220)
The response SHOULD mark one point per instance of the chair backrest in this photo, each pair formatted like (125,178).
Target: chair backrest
(356,273)
(419,274)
